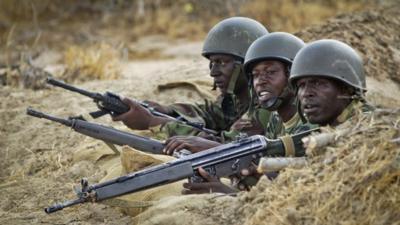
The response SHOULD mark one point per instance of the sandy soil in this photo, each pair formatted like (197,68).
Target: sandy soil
(37,167)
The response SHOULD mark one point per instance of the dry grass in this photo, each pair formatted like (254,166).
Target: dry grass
(292,15)
(98,61)
(356,181)
(175,19)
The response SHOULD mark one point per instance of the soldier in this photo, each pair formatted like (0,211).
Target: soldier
(225,47)
(268,63)
(330,82)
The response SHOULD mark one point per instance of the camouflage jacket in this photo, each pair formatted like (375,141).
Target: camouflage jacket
(276,127)
(268,124)
(355,108)
(252,123)
(218,116)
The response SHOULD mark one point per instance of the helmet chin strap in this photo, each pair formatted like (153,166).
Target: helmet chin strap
(230,100)
(272,104)
(275,102)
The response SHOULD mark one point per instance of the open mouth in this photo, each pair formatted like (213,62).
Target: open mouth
(310,108)
(264,95)
(219,84)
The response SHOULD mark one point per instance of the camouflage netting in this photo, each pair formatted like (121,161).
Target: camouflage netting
(355,181)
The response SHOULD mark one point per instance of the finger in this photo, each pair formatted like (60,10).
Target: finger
(203,173)
(166,142)
(197,192)
(251,170)
(170,148)
(196,188)
(169,145)
(182,146)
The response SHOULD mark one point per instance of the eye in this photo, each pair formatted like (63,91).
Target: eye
(254,73)
(317,83)
(270,72)
(300,85)
(218,63)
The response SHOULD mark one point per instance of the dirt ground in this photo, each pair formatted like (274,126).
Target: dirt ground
(37,164)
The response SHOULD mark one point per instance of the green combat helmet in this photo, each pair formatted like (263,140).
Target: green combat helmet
(330,59)
(278,46)
(233,36)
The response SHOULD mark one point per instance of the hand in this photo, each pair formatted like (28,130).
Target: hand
(250,171)
(250,127)
(240,124)
(138,117)
(190,143)
(249,177)
(212,185)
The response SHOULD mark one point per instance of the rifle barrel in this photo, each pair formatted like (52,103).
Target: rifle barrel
(62,84)
(41,115)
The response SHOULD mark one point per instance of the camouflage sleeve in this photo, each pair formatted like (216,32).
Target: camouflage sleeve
(251,123)
(274,127)
(174,128)
(210,114)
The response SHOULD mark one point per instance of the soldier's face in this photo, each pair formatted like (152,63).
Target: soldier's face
(320,99)
(269,79)
(221,69)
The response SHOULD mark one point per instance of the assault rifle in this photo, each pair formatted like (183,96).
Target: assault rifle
(222,161)
(104,133)
(110,103)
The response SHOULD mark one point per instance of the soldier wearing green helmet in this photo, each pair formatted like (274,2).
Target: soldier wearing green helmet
(225,46)
(268,63)
(330,82)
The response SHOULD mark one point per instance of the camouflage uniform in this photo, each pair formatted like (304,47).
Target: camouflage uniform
(255,123)
(213,115)
(354,109)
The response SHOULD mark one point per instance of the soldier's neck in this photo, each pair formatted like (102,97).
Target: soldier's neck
(287,110)
(243,95)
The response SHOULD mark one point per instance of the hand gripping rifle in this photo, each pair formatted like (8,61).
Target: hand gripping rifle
(222,161)
(110,103)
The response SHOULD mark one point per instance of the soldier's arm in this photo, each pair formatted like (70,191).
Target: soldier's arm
(138,117)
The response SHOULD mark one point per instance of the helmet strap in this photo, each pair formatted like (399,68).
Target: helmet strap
(234,78)
(230,100)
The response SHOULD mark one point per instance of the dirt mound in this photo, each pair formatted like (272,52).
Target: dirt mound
(374,34)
